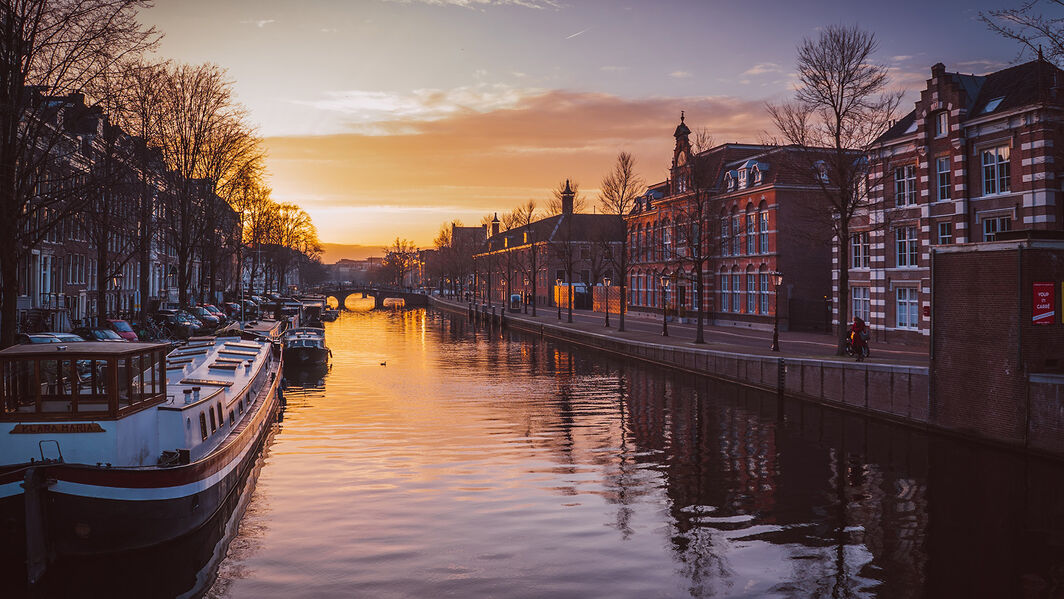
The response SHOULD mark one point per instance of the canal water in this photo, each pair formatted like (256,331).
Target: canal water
(435,459)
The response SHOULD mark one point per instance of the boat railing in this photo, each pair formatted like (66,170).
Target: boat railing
(81,386)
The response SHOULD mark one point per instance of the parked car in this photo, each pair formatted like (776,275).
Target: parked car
(123,329)
(205,316)
(90,334)
(217,312)
(67,337)
(177,323)
(24,338)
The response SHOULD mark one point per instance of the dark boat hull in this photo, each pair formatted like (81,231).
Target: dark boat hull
(305,356)
(135,509)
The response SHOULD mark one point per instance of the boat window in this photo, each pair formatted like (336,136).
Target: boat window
(214,425)
(203,426)
(19,396)
(232,418)
(221,417)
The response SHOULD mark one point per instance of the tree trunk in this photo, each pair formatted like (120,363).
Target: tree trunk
(9,298)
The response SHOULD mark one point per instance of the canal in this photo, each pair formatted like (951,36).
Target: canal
(438,460)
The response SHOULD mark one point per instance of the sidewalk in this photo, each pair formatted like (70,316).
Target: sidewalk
(719,338)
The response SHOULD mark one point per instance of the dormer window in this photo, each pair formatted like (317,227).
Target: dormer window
(757,176)
(742,178)
(821,169)
(729,182)
(992,105)
(941,123)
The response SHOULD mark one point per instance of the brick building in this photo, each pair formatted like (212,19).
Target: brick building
(90,259)
(997,305)
(542,249)
(757,218)
(975,157)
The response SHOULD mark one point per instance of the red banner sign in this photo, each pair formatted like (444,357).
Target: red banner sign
(1045,302)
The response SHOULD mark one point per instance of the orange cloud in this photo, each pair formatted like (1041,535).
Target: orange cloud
(441,159)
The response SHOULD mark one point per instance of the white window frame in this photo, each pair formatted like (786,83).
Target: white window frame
(993,225)
(751,293)
(997,169)
(944,179)
(941,123)
(905,185)
(763,279)
(907,304)
(906,247)
(860,250)
(861,302)
(947,227)
(724,303)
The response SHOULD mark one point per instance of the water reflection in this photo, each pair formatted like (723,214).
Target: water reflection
(440,458)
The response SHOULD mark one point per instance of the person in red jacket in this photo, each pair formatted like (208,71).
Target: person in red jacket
(859,338)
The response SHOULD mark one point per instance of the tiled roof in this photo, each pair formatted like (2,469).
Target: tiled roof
(998,92)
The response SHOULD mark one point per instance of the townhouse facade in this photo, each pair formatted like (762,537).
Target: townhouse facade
(758,235)
(90,258)
(974,158)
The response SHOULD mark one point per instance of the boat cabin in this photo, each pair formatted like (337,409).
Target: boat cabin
(90,380)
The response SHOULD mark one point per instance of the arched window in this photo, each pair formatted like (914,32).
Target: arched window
(737,228)
(751,290)
(725,233)
(762,227)
(751,231)
(725,305)
(736,290)
(764,283)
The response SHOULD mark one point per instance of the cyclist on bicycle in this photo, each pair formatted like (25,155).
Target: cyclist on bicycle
(859,338)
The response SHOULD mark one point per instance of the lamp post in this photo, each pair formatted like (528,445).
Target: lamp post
(664,306)
(557,286)
(777,278)
(524,292)
(606,284)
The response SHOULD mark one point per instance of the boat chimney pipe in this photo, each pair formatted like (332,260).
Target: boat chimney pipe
(188,396)
(195,393)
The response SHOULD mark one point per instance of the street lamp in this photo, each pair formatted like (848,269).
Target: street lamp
(557,286)
(777,278)
(664,306)
(606,283)
(524,292)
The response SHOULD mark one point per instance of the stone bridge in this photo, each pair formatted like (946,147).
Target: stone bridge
(379,294)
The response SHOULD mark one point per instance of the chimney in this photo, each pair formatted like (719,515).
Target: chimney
(567,199)
(495,225)
(938,70)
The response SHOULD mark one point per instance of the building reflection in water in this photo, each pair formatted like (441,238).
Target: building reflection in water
(820,504)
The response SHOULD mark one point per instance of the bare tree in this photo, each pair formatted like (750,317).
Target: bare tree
(620,188)
(1030,28)
(52,47)
(524,215)
(841,107)
(399,259)
(206,146)
(554,202)
(137,112)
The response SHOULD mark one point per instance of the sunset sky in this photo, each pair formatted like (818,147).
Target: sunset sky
(387,118)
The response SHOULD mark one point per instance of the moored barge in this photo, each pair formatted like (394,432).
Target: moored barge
(110,447)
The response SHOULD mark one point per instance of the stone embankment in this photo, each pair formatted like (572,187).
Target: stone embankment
(892,391)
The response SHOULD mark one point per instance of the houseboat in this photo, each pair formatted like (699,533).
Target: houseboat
(305,346)
(109,447)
